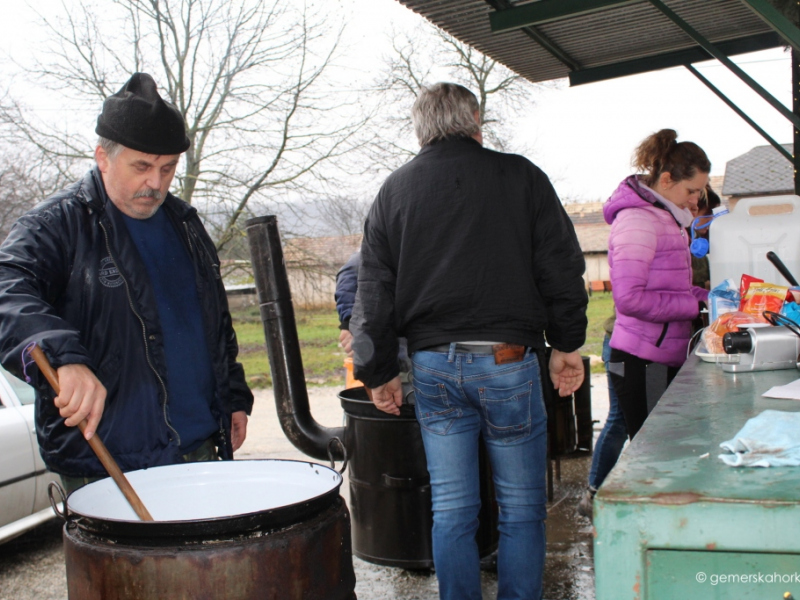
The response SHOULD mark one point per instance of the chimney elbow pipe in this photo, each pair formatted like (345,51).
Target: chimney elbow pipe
(283,345)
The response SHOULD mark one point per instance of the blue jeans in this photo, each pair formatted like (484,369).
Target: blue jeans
(460,396)
(613,436)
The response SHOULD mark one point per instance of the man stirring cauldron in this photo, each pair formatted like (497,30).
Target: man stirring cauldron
(118,282)
(469,254)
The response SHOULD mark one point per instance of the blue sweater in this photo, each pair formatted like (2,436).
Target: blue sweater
(190,380)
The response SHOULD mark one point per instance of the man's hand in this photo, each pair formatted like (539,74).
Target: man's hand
(566,371)
(346,342)
(388,397)
(238,429)
(82,397)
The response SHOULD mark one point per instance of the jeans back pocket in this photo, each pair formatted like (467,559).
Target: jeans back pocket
(434,412)
(507,411)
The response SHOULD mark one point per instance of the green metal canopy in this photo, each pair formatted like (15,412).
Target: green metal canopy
(594,40)
(591,40)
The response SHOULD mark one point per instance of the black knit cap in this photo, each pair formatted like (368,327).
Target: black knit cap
(138,118)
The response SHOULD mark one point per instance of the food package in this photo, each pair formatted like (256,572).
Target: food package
(760,297)
(723,299)
(712,335)
(744,285)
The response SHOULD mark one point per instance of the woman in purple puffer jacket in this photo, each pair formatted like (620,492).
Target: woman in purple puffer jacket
(651,272)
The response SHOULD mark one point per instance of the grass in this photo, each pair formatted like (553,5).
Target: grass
(318,331)
(601,306)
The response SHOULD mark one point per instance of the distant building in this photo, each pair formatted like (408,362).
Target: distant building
(312,263)
(311,266)
(592,231)
(763,171)
(717,183)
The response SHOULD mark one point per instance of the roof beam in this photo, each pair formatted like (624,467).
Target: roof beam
(543,11)
(538,37)
(776,19)
(732,66)
(680,58)
(741,113)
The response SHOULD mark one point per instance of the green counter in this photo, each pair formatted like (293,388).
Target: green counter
(673,521)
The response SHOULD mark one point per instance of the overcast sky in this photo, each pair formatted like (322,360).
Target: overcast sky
(582,137)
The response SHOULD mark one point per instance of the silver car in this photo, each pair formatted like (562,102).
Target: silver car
(24,503)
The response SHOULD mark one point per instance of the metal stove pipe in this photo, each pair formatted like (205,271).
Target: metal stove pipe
(283,345)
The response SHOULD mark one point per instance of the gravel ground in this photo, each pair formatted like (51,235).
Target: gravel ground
(32,566)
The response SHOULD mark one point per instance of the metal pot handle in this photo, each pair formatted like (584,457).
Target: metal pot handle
(53,488)
(331,442)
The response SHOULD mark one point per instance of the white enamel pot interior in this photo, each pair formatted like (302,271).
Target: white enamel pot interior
(208,491)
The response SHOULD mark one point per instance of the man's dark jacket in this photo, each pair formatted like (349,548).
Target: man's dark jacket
(466,244)
(72,281)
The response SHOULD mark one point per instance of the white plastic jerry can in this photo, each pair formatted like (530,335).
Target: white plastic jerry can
(739,241)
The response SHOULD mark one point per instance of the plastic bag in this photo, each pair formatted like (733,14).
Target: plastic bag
(712,335)
(791,310)
(723,299)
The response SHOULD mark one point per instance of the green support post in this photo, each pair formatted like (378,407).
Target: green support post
(743,115)
(713,51)
(796,107)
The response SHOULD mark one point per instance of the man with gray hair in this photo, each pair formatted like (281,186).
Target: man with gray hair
(118,282)
(469,254)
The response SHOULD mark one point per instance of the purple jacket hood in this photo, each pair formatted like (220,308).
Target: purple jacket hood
(630,193)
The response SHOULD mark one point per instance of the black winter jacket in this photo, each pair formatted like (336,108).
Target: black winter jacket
(466,244)
(72,281)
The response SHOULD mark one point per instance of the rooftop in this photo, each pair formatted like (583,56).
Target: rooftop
(762,170)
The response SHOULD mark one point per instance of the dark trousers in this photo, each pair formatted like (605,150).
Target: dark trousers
(634,379)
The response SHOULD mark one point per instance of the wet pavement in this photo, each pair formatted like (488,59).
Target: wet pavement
(32,567)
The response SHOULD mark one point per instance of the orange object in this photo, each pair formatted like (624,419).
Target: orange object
(728,322)
(349,379)
(763,296)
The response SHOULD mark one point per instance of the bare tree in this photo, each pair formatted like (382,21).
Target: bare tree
(342,215)
(247,75)
(23,183)
(427,55)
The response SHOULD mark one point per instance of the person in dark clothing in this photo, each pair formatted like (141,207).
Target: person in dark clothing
(118,282)
(469,254)
(701,275)
(345,296)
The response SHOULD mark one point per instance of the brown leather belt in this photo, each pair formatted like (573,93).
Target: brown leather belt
(463,348)
(503,353)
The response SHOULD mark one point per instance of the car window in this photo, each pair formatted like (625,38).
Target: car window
(23,391)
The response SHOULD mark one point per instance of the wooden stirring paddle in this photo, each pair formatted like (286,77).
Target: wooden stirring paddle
(95,442)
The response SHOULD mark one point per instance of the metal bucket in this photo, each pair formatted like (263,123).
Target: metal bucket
(238,530)
(583,409)
(390,492)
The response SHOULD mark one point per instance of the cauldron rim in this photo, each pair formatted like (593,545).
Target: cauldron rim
(356,403)
(264,521)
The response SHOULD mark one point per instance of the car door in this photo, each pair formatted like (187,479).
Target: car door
(18,468)
(26,399)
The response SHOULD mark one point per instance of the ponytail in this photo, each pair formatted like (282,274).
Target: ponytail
(662,153)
